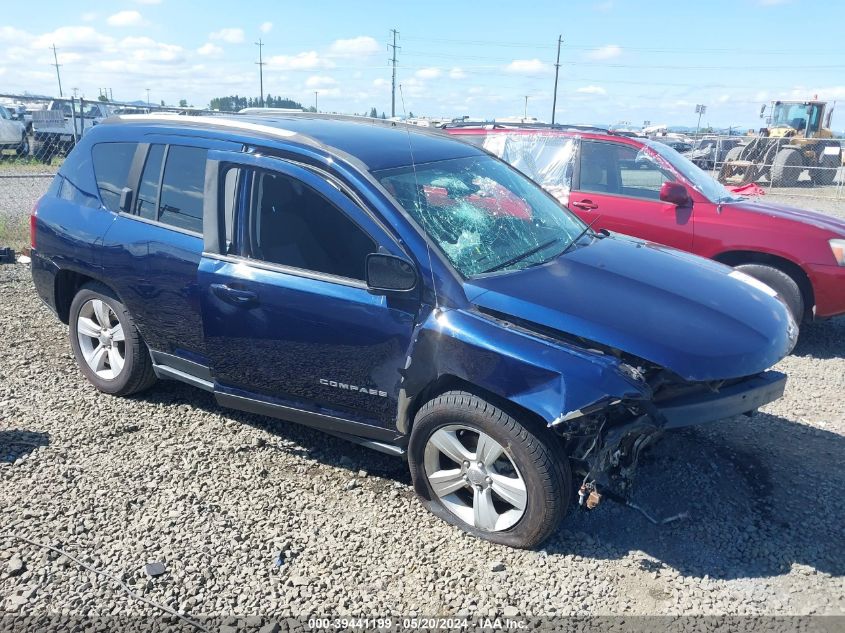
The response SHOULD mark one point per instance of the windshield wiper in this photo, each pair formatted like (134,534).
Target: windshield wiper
(519,258)
(580,235)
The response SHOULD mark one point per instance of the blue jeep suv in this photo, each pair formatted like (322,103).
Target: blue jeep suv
(402,290)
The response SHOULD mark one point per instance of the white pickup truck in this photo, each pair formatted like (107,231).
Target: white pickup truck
(56,128)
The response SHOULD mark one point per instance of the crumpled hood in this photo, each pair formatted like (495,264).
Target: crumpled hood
(819,220)
(679,311)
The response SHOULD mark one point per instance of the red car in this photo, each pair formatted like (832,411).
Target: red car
(646,189)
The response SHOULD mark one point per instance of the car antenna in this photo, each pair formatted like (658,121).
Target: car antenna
(437,310)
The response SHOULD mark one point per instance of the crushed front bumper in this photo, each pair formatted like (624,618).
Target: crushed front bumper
(742,397)
(608,455)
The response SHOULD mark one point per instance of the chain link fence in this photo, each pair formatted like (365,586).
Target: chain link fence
(793,167)
(21,185)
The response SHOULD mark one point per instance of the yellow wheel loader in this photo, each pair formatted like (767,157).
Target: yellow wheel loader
(797,138)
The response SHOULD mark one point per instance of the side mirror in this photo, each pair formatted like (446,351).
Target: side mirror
(126,200)
(388,273)
(675,193)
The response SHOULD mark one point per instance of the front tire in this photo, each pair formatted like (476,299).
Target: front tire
(786,287)
(480,469)
(107,346)
(22,150)
(786,168)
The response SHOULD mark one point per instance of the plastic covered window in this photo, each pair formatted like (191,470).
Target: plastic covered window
(548,159)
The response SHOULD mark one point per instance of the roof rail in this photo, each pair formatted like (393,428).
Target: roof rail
(493,125)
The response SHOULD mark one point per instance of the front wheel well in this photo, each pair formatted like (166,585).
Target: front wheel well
(736,258)
(449,382)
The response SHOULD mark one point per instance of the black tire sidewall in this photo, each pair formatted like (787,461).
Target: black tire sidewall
(786,287)
(548,499)
(119,384)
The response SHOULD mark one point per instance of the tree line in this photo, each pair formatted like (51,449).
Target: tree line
(236,102)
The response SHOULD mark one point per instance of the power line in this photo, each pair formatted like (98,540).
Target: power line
(393,84)
(261,63)
(638,49)
(56,64)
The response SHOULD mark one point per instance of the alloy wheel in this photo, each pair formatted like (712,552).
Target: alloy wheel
(101,338)
(475,477)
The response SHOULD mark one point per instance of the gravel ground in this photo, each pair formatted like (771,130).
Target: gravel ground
(220,497)
(216,495)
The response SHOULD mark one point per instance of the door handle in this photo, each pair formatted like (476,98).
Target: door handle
(585,205)
(235,296)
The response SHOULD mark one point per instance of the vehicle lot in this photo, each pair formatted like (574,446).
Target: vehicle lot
(216,495)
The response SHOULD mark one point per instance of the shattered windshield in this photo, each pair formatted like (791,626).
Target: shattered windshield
(700,179)
(484,215)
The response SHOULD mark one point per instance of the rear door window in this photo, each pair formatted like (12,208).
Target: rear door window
(112,162)
(148,190)
(182,188)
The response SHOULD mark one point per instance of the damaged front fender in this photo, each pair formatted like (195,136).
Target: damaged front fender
(548,378)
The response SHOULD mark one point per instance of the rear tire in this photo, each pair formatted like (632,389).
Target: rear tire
(786,168)
(786,287)
(825,174)
(496,478)
(107,346)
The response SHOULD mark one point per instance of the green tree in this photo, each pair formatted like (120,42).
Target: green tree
(373,113)
(102,98)
(183,103)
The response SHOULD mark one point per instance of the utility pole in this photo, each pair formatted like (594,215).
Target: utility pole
(56,64)
(316,109)
(148,96)
(525,115)
(557,70)
(393,85)
(699,110)
(261,65)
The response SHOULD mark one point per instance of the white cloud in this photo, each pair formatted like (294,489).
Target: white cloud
(380,82)
(125,18)
(319,81)
(591,90)
(230,36)
(605,52)
(209,50)
(301,61)
(73,38)
(427,73)
(266,27)
(354,47)
(526,66)
(457,73)
(146,49)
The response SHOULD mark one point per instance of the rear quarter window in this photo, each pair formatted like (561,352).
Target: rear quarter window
(112,162)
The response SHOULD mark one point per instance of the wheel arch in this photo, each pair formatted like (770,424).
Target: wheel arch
(450,382)
(67,284)
(787,266)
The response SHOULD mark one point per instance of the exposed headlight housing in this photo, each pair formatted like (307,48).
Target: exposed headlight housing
(838,248)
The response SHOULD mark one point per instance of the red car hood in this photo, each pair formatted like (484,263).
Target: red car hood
(813,218)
